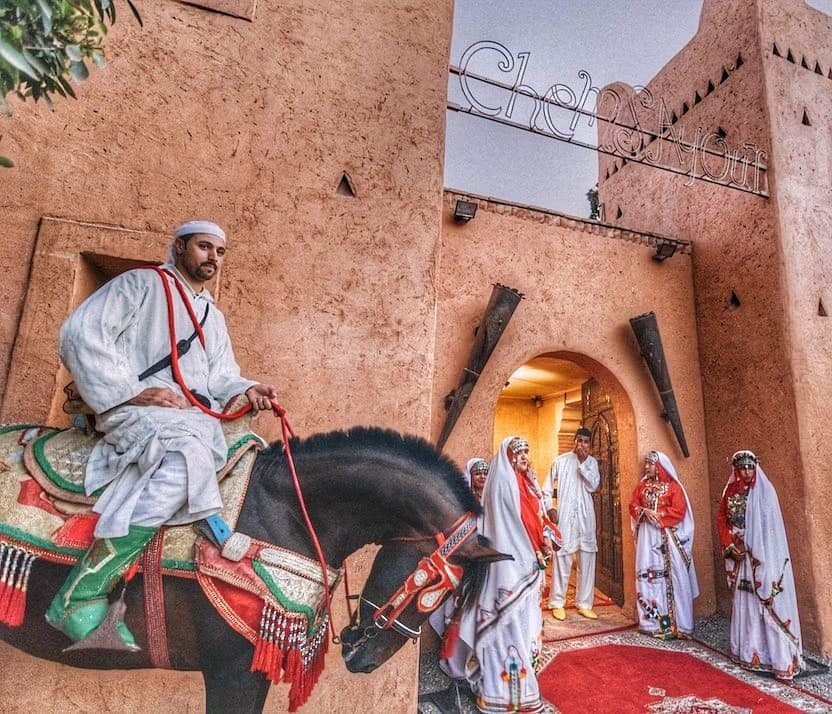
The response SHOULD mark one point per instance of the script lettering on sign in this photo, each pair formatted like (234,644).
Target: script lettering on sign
(632,124)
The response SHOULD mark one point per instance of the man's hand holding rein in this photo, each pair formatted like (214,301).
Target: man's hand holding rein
(260,396)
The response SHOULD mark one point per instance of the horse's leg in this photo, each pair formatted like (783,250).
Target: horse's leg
(232,688)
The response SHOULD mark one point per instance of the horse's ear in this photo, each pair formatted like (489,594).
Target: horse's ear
(479,549)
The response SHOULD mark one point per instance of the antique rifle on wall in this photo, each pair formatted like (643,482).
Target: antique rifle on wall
(650,343)
(498,312)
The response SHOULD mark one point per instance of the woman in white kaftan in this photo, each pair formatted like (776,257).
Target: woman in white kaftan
(765,625)
(662,522)
(500,638)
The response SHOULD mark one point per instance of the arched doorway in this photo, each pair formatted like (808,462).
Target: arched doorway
(546,400)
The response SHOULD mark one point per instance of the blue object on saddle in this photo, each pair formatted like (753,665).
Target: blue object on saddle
(219,528)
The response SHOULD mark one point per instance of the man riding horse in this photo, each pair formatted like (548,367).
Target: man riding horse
(158,456)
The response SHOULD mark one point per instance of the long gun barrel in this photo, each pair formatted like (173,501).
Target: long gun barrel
(646,330)
(498,312)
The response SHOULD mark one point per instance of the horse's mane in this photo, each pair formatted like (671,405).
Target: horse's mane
(373,439)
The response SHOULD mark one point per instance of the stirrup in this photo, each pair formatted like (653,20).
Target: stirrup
(108,636)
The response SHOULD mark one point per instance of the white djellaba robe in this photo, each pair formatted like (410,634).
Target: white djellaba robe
(440,617)
(500,639)
(765,625)
(111,338)
(666,554)
(575,483)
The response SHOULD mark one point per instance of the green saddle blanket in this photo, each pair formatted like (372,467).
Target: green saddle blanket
(43,507)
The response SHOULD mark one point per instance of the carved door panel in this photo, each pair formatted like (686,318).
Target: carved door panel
(599,418)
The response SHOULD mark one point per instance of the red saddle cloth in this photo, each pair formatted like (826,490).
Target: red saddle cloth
(275,599)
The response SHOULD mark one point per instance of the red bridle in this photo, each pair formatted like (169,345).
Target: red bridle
(433,577)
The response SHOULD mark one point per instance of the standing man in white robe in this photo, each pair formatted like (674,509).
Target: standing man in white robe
(158,457)
(568,497)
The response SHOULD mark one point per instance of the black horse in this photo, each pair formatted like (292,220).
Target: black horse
(361,486)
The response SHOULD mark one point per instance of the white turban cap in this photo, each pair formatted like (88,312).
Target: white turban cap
(208,227)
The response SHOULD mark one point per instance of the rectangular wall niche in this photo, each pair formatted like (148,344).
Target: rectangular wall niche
(244,9)
(71,260)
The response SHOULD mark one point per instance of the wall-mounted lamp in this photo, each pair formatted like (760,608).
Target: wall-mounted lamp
(464,211)
(537,401)
(664,249)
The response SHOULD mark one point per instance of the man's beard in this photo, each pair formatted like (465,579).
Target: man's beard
(205,271)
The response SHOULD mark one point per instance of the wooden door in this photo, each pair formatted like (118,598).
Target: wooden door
(599,418)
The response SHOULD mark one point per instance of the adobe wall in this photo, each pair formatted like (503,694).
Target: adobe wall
(743,272)
(801,156)
(582,282)
(251,123)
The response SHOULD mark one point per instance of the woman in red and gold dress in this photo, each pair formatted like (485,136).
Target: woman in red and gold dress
(663,527)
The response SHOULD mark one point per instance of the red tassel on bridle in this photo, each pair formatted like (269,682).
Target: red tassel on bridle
(449,641)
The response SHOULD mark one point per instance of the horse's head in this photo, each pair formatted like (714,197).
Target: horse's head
(410,579)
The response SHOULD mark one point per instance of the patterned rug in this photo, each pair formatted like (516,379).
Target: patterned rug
(628,672)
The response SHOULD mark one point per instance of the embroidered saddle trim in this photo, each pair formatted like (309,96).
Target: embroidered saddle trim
(33,520)
(272,597)
(57,458)
(275,599)
(285,580)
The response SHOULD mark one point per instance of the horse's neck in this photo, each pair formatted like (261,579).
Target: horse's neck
(350,505)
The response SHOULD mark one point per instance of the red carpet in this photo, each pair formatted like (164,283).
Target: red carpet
(621,679)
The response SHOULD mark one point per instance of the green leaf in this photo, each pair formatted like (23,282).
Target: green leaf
(35,62)
(135,13)
(45,15)
(74,53)
(17,60)
(6,163)
(67,86)
(79,71)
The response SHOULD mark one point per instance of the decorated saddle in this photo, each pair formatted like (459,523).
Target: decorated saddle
(271,596)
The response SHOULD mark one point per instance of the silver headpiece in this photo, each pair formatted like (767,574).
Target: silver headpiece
(517,444)
(652,457)
(744,457)
(479,467)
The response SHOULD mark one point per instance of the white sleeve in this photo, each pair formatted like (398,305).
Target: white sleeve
(550,486)
(590,474)
(89,342)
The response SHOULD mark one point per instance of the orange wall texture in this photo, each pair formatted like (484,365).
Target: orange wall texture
(362,309)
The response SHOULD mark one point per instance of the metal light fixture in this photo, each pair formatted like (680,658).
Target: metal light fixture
(464,211)
(664,249)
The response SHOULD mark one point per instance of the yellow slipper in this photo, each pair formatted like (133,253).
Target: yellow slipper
(559,613)
(589,614)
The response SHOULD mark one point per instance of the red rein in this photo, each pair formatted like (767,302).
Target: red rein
(278,410)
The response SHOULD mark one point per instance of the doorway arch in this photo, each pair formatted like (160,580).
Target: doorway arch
(546,399)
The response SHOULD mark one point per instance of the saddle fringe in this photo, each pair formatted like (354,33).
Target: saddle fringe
(15,568)
(284,654)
